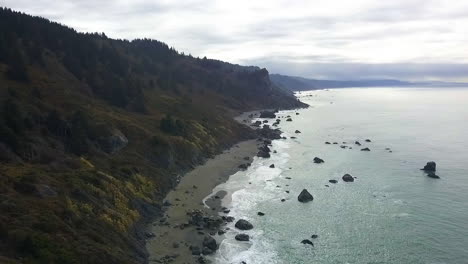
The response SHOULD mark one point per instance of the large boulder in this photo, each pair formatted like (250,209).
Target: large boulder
(305,196)
(242,237)
(365,149)
(430,167)
(243,225)
(348,178)
(263,154)
(307,242)
(210,243)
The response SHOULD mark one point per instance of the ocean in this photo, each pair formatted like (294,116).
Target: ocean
(391,213)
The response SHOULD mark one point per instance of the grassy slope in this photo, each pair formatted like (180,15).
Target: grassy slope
(63,197)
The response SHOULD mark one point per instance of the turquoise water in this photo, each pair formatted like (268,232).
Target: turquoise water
(392,213)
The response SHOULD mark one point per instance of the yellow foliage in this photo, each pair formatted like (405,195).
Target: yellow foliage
(86,162)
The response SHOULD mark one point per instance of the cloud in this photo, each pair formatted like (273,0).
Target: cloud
(319,35)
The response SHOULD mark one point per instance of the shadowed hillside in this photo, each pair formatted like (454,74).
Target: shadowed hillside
(95,131)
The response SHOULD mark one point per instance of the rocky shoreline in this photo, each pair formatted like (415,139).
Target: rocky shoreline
(189,231)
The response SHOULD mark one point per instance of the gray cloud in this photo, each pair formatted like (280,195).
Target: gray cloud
(403,39)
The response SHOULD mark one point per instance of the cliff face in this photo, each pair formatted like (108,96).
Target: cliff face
(94,131)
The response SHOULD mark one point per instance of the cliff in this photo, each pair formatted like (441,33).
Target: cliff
(94,131)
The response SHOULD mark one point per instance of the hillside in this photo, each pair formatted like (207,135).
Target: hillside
(294,83)
(95,131)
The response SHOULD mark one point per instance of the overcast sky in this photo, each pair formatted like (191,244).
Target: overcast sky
(342,39)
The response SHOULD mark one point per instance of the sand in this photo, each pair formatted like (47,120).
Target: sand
(170,240)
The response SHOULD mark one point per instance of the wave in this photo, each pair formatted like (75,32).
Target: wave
(245,191)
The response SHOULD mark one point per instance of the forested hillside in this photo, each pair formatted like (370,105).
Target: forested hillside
(94,131)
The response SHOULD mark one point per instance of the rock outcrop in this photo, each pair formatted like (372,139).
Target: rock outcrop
(267,114)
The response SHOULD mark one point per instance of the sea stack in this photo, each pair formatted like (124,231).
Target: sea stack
(430,169)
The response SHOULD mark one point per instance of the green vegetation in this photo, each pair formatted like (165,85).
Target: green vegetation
(92,131)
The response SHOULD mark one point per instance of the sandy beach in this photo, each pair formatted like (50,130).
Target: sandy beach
(174,233)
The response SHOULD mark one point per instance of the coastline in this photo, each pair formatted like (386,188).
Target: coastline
(172,237)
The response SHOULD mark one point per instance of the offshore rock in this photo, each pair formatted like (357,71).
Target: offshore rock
(305,196)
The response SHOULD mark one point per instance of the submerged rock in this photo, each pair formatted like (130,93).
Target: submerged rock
(260,214)
(348,178)
(328,143)
(242,237)
(318,160)
(365,149)
(314,236)
(357,143)
(243,225)
(305,196)
(368,140)
(431,174)
(307,242)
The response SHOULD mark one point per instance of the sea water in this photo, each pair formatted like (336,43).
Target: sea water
(391,213)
